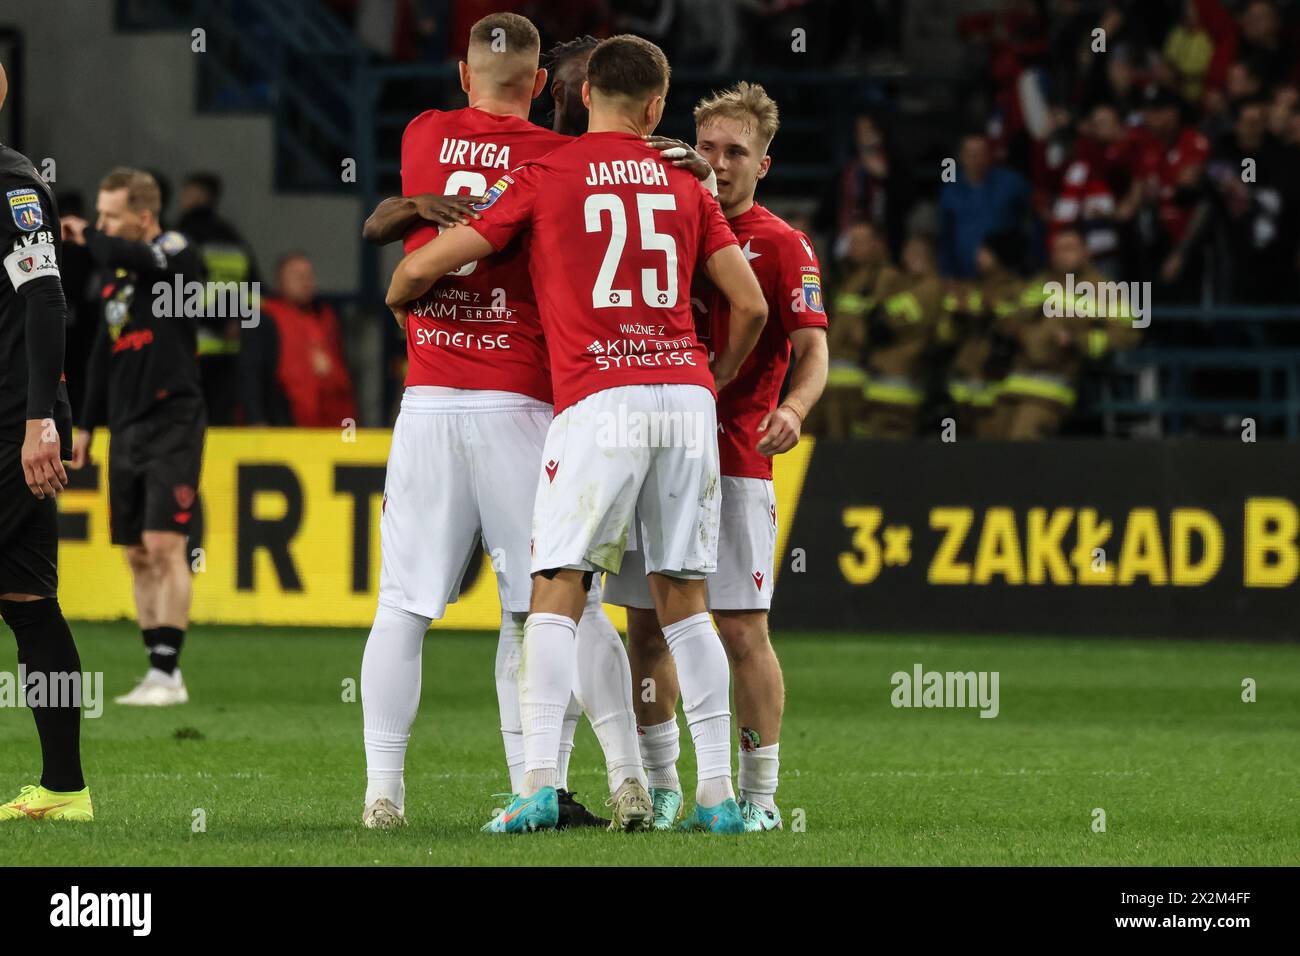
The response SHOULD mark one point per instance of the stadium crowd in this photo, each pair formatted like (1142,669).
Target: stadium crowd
(1134,141)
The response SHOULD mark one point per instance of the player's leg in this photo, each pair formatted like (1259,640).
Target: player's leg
(507,430)
(603,685)
(390,698)
(510,647)
(679,508)
(546,681)
(568,732)
(760,703)
(740,593)
(428,532)
(166,551)
(128,503)
(655,695)
(47,654)
(569,544)
(654,687)
(165,461)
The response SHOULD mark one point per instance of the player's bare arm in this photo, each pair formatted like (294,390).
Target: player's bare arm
(395,216)
(736,281)
(416,273)
(781,428)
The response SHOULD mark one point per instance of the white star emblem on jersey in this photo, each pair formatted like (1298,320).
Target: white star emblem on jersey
(750,255)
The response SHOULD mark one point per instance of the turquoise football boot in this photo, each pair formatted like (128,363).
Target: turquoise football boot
(758,820)
(541,811)
(667,807)
(724,818)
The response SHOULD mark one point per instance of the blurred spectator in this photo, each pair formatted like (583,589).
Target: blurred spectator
(979,364)
(292,366)
(984,198)
(76,268)
(1188,52)
(866,188)
(1055,332)
(856,273)
(1260,42)
(1169,162)
(228,258)
(1098,194)
(904,327)
(1254,177)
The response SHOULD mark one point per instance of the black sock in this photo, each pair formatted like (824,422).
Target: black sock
(165,651)
(46,647)
(150,635)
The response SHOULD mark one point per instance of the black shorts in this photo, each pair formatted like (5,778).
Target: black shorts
(29,531)
(153,473)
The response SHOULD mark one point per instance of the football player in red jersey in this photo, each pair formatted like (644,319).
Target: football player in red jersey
(615,235)
(476,407)
(734,130)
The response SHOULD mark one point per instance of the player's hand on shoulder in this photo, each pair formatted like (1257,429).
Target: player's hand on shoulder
(73,229)
(447,210)
(780,430)
(681,154)
(42,467)
(80,448)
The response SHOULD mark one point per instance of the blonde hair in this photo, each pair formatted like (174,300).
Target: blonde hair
(746,102)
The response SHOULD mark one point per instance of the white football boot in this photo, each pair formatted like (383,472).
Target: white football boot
(383,814)
(157,689)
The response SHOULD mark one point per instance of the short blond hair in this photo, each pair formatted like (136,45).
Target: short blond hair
(746,102)
(142,192)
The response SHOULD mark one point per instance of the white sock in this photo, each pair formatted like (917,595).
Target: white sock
(545,689)
(604,686)
(510,646)
(567,729)
(660,748)
(705,680)
(390,697)
(758,773)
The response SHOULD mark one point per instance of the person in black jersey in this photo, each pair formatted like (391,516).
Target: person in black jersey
(143,381)
(35,425)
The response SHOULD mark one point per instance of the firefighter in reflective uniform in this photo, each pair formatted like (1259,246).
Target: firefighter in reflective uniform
(841,412)
(909,307)
(905,326)
(980,363)
(229,259)
(1055,335)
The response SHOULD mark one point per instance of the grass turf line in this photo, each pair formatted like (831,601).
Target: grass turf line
(1153,732)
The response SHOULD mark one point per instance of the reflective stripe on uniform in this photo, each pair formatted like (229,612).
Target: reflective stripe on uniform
(1032,386)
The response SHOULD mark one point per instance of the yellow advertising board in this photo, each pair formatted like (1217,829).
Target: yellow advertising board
(290,533)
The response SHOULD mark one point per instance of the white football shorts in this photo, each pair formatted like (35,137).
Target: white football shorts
(746,554)
(643,452)
(460,478)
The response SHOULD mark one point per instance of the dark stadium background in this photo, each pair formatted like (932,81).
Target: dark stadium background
(1133,579)
(297,108)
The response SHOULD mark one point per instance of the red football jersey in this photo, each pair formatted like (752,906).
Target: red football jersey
(786,266)
(476,327)
(616,234)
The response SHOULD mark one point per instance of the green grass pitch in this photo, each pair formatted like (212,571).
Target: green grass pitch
(1154,733)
